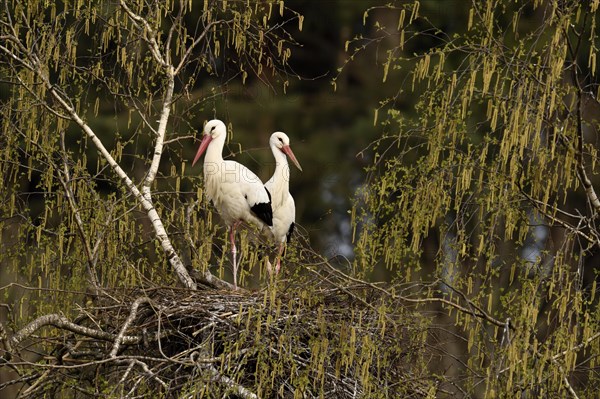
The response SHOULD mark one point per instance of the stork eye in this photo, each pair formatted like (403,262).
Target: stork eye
(280,139)
(212,128)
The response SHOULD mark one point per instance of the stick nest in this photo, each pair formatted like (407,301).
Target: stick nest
(342,340)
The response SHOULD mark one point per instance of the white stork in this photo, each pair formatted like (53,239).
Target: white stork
(282,202)
(236,192)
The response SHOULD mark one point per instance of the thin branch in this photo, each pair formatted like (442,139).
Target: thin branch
(581,172)
(147,370)
(132,315)
(91,264)
(576,348)
(150,37)
(540,207)
(189,50)
(153,215)
(478,313)
(149,34)
(238,389)
(566,380)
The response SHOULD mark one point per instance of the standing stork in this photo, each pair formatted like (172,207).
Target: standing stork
(236,192)
(282,202)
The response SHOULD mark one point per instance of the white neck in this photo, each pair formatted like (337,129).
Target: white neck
(214,152)
(281,176)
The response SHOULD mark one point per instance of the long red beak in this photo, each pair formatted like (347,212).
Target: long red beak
(203,146)
(287,150)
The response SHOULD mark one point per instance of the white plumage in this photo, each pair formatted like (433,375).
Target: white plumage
(282,202)
(235,191)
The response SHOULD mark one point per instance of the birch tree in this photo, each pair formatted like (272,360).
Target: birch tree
(100,106)
(63,64)
(485,193)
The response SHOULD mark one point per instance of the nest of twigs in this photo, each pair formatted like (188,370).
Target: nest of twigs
(340,339)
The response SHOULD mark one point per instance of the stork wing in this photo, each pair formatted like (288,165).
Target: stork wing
(262,207)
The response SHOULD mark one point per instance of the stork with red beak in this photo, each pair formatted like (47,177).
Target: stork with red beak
(282,202)
(235,191)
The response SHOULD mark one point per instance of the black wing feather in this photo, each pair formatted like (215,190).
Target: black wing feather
(290,232)
(263,210)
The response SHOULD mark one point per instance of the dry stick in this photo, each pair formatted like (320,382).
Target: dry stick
(5,340)
(123,378)
(20,380)
(146,369)
(132,314)
(33,387)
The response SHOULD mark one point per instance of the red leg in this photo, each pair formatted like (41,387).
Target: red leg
(278,264)
(234,251)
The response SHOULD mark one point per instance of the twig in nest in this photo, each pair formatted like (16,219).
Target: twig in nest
(132,314)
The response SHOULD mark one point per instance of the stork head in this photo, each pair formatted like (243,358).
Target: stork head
(213,129)
(281,141)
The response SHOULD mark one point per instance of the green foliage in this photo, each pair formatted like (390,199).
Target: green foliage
(112,62)
(501,142)
(479,208)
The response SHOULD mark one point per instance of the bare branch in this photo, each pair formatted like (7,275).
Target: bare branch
(189,50)
(478,312)
(228,382)
(149,35)
(59,321)
(133,313)
(147,370)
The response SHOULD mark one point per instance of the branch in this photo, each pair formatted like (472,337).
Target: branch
(59,321)
(160,135)
(132,314)
(566,380)
(239,390)
(478,312)
(581,172)
(150,35)
(193,45)
(32,62)
(146,369)
(91,263)
(4,339)
(540,206)
(577,347)
(153,215)
(554,358)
